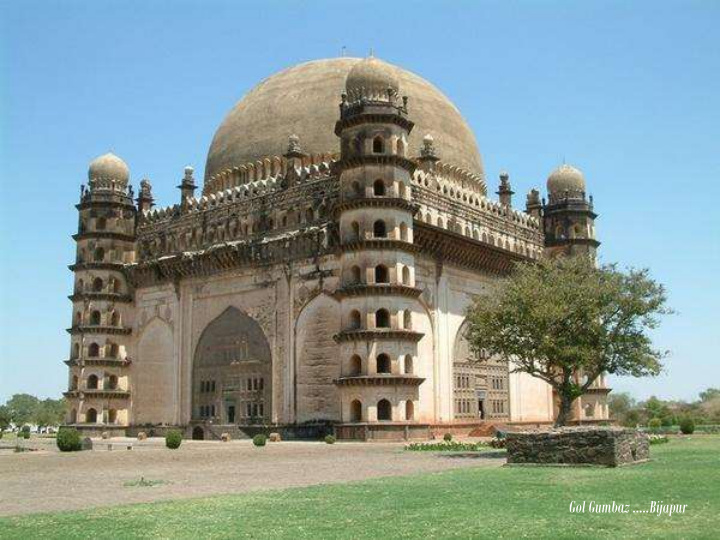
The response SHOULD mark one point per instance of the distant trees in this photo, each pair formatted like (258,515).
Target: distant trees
(23,409)
(629,412)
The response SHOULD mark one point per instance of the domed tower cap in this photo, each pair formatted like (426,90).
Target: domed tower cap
(108,167)
(372,79)
(566,179)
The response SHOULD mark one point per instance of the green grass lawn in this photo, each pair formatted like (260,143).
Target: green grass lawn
(506,502)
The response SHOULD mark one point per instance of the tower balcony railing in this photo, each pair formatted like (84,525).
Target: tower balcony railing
(380,379)
(377,289)
(98,329)
(83,393)
(376,334)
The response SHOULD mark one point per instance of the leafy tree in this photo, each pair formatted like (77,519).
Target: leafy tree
(5,417)
(620,404)
(50,412)
(710,394)
(566,321)
(22,408)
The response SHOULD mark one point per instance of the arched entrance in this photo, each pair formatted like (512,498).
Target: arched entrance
(232,372)
(198,434)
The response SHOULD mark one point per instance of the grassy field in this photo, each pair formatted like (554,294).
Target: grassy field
(471,503)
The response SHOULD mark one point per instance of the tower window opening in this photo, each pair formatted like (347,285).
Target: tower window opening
(100,224)
(383,364)
(379,189)
(355,365)
(379,229)
(355,322)
(404,232)
(409,410)
(91,416)
(378,145)
(382,318)
(355,275)
(382,275)
(356,411)
(97,284)
(95,318)
(355,231)
(92,382)
(93,350)
(407,319)
(99,254)
(384,410)
(406,275)
(408,365)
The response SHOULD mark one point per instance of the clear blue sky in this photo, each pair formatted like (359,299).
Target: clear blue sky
(627,91)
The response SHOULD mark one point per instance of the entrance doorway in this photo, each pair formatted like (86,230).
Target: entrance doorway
(481,409)
(231,414)
(198,434)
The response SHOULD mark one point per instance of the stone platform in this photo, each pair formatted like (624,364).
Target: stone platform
(608,447)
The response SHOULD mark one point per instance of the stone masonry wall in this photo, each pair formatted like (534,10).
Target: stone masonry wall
(578,445)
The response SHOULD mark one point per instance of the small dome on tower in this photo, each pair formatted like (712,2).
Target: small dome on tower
(566,178)
(109,167)
(372,78)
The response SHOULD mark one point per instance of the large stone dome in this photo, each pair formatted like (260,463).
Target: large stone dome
(304,100)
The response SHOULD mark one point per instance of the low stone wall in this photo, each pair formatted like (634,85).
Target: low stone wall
(610,447)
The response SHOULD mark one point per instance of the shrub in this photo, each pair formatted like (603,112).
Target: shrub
(68,440)
(655,423)
(330,439)
(173,438)
(259,440)
(447,437)
(687,426)
(658,439)
(498,442)
(25,434)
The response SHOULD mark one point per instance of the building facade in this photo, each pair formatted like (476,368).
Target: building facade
(321,276)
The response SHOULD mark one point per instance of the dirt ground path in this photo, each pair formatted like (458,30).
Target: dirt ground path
(52,481)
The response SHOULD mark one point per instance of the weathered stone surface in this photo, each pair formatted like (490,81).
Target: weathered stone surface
(610,447)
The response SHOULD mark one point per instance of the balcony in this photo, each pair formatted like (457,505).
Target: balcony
(380,379)
(377,289)
(378,334)
(98,329)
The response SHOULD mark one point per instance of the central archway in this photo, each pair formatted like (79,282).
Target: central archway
(232,372)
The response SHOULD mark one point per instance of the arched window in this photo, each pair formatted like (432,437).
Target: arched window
(95,317)
(91,416)
(355,322)
(75,350)
(99,254)
(115,319)
(384,410)
(355,275)
(382,318)
(382,364)
(355,365)
(114,285)
(404,232)
(440,222)
(113,350)
(112,416)
(357,189)
(100,224)
(78,317)
(93,350)
(408,365)
(409,410)
(92,382)
(382,275)
(356,411)
(378,145)
(379,188)
(379,229)
(112,382)
(355,234)
(74,383)
(97,284)
(406,275)
(400,147)
(407,320)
